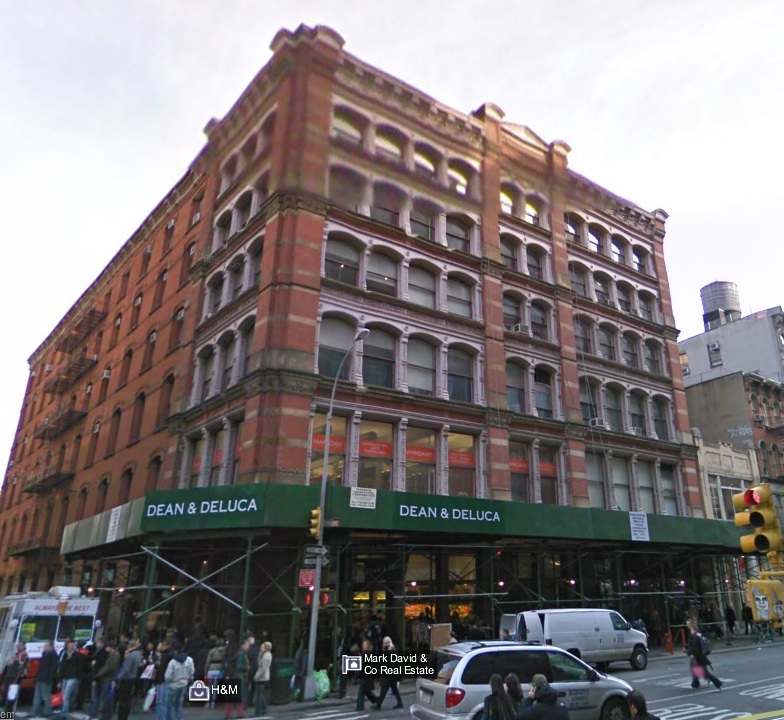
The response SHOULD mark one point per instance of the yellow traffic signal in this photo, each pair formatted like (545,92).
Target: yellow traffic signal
(754,507)
(314,522)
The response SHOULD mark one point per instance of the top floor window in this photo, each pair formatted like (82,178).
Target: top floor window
(532,215)
(595,241)
(638,260)
(572,228)
(618,251)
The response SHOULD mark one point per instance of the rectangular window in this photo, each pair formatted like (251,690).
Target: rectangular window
(714,355)
(385,215)
(457,235)
(422,225)
(534,264)
(624,299)
(645,483)
(612,409)
(375,455)
(660,424)
(602,291)
(629,350)
(577,278)
(197,448)
(606,344)
(462,465)
(637,411)
(519,473)
(217,457)
(652,361)
(620,476)
(421,367)
(548,474)
(543,394)
(422,287)
(460,377)
(337,449)
(594,468)
(458,298)
(667,476)
(420,460)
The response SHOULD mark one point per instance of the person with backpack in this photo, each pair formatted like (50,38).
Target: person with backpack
(178,675)
(214,664)
(698,649)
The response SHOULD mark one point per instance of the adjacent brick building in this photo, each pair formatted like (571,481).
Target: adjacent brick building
(519,392)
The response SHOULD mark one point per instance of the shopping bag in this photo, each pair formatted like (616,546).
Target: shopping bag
(323,685)
(13,692)
(698,671)
(149,699)
(57,700)
(148,672)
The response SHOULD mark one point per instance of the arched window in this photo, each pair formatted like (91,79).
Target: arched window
(125,487)
(595,239)
(149,350)
(137,418)
(341,262)
(639,260)
(160,289)
(387,203)
(379,359)
(242,210)
(229,363)
(381,275)
(653,357)
(153,475)
(346,127)
(215,293)
(164,404)
(77,446)
(125,369)
(100,495)
(637,413)
(175,331)
(423,220)
(458,297)
(515,387)
(539,325)
(764,464)
(573,227)
(457,235)
(543,392)
(346,188)
(613,409)
(188,258)
(578,279)
(388,145)
(606,337)
(645,303)
(629,347)
(90,459)
(661,424)
(137,311)
(222,231)
(81,504)
(532,212)
(509,253)
(114,431)
(460,375)
(336,336)
(236,275)
(421,367)
(422,287)
(208,371)
(582,335)
(601,286)
(512,314)
(618,248)
(588,404)
(116,330)
(624,293)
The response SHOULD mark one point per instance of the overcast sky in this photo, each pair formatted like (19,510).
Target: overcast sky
(676,104)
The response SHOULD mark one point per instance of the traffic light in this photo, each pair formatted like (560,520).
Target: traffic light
(314,522)
(755,507)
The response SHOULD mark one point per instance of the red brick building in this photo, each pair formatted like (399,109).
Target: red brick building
(519,388)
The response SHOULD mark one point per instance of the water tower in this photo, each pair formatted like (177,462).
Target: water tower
(720,304)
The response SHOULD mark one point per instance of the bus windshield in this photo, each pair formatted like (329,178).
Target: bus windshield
(76,627)
(37,628)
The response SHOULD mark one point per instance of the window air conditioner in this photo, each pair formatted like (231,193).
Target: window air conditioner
(638,431)
(170,225)
(520,328)
(713,347)
(148,250)
(48,369)
(88,389)
(138,301)
(106,374)
(164,276)
(153,337)
(687,371)
(759,419)
(180,314)
(196,217)
(118,321)
(597,422)
(96,428)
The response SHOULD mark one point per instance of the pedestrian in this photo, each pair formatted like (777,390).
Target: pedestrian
(730,619)
(366,682)
(69,675)
(747,616)
(179,673)
(164,657)
(515,691)
(235,667)
(125,682)
(389,682)
(13,673)
(47,674)
(638,706)
(214,665)
(262,677)
(542,702)
(498,705)
(104,678)
(343,649)
(700,665)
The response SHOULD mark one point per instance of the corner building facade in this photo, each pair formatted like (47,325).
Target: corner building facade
(510,433)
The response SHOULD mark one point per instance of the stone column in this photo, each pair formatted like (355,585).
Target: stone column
(535,473)
(477,302)
(198,380)
(356,360)
(557,397)
(227,459)
(206,459)
(352,450)
(524,259)
(440,228)
(441,291)
(404,221)
(532,392)
(625,411)
(367,198)
(479,391)
(369,139)
(442,171)
(399,460)
(401,364)
(402,285)
(481,466)
(658,495)
(408,154)
(609,485)
(444,373)
(650,428)
(217,370)
(186,463)
(634,485)
(442,458)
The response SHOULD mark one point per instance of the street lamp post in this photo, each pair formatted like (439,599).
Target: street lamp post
(310,681)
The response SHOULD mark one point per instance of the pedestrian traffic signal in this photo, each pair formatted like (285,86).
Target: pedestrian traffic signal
(754,507)
(314,522)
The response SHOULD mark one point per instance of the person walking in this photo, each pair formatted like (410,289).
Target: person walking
(69,675)
(262,678)
(498,705)
(366,682)
(235,667)
(638,706)
(747,616)
(515,691)
(125,682)
(104,679)
(179,673)
(700,665)
(47,674)
(214,666)
(542,702)
(13,673)
(165,656)
(389,682)
(730,619)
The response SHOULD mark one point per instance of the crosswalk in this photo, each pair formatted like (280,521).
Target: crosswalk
(346,714)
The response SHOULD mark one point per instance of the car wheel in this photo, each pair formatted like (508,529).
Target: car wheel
(639,658)
(616,709)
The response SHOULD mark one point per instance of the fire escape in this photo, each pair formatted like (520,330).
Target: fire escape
(57,470)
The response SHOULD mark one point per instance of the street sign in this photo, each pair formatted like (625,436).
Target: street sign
(310,562)
(307,578)
(316,550)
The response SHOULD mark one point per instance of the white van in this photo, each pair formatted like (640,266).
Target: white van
(596,636)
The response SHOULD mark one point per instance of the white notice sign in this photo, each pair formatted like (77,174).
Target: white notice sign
(363,498)
(114,524)
(639,526)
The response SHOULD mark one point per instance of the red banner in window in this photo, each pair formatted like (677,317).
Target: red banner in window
(375,448)
(416,453)
(336,444)
(518,465)
(547,468)
(462,458)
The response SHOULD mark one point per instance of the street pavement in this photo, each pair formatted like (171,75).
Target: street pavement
(753,677)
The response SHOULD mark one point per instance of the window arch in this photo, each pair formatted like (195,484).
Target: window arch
(543,391)
(460,369)
(242,210)
(512,309)
(228,346)
(640,260)
(153,474)
(336,336)
(149,350)
(645,304)
(629,347)
(125,369)
(459,296)
(602,285)
(613,407)
(460,176)
(116,330)
(188,258)
(342,260)
(535,262)
(137,311)
(533,211)
(176,327)
(382,274)
(164,404)
(379,358)
(421,367)
(574,226)
(661,414)
(160,289)
(625,293)
(214,289)
(137,418)
(596,238)
(81,503)
(77,446)
(653,354)
(511,200)
(510,248)
(422,284)
(539,325)
(222,230)
(516,387)
(206,359)
(100,496)
(236,272)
